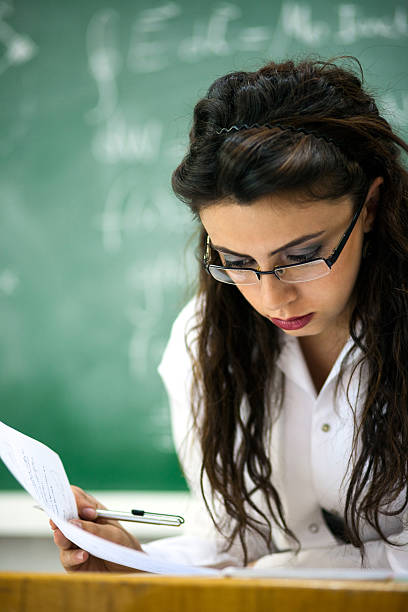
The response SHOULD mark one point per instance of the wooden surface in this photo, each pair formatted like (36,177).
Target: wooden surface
(21,592)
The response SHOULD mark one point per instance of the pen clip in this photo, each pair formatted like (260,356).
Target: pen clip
(155,515)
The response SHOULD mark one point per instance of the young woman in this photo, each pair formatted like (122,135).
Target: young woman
(287,372)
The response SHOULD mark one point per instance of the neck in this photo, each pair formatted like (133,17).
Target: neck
(321,353)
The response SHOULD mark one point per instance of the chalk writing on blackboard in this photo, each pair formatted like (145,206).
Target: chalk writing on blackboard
(210,38)
(129,209)
(354,25)
(297,22)
(149,282)
(161,271)
(118,140)
(147,49)
(154,42)
(18,48)
(162,439)
(255,38)
(104,62)
(9,282)
(143,315)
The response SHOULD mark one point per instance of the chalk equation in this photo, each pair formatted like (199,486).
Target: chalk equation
(153,46)
(130,209)
(116,138)
(9,282)
(150,283)
(145,347)
(352,24)
(120,141)
(18,48)
(160,422)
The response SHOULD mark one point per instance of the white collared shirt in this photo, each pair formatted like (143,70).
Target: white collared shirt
(310,447)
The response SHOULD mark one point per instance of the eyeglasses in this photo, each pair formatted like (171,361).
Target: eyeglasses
(293,273)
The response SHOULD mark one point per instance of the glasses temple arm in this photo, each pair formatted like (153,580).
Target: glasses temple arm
(331,260)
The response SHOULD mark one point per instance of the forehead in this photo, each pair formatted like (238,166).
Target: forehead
(271,221)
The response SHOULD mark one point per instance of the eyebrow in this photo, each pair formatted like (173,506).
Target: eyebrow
(282,248)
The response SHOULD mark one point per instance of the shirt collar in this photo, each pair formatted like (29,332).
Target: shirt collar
(292,363)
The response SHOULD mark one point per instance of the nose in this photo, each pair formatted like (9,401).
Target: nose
(275,294)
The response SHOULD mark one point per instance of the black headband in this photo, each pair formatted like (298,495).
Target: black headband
(291,128)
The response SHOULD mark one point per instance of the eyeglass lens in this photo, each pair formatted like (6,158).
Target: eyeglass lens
(294,274)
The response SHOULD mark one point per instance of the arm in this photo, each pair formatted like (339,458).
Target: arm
(337,556)
(398,555)
(377,555)
(202,544)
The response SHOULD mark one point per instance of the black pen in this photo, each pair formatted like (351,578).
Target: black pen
(140,516)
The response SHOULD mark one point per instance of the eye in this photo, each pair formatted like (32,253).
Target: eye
(305,256)
(234,261)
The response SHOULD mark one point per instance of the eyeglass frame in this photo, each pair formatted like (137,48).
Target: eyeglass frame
(329,261)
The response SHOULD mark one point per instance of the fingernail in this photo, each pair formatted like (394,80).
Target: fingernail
(89,513)
(80,555)
(75,522)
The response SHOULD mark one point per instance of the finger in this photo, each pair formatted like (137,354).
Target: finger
(88,513)
(53,525)
(86,503)
(111,531)
(65,543)
(73,559)
(103,530)
(62,542)
(84,497)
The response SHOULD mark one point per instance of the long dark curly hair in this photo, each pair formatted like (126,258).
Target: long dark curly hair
(310,128)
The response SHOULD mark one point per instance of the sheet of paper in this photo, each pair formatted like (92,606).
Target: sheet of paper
(126,556)
(41,472)
(305,573)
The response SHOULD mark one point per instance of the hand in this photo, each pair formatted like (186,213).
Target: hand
(73,558)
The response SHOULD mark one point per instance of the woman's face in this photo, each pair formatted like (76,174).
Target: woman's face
(257,234)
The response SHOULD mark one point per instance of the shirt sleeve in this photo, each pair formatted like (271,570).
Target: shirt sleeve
(200,543)
(378,555)
(336,556)
(398,555)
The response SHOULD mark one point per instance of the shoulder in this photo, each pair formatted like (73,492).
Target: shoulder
(187,320)
(184,328)
(175,365)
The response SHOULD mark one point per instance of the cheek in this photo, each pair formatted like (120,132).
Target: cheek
(250,293)
(335,289)
(345,270)
(253,295)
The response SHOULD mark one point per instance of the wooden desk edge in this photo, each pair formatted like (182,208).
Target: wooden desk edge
(216,582)
(88,592)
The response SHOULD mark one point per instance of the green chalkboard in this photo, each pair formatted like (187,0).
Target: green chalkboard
(94,263)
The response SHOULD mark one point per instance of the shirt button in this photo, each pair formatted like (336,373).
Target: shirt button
(325,427)
(313,527)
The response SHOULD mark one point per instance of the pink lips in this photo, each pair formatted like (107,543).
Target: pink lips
(294,322)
